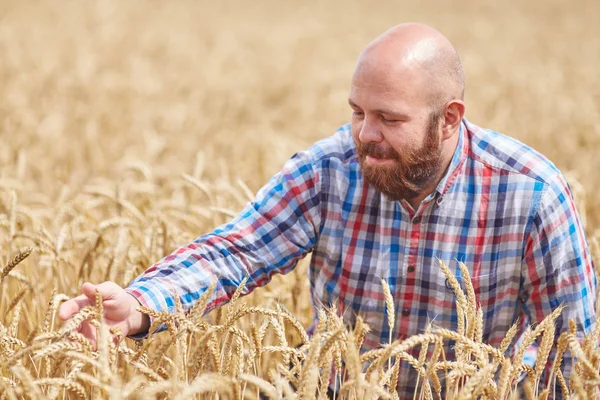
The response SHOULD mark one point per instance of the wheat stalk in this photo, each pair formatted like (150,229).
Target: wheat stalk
(22,255)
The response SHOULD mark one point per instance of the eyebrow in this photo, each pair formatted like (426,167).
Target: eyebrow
(382,111)
(352,104)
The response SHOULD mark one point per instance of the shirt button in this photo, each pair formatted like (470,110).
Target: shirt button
(417,220)
(411,268)
(449,286)
(405,312)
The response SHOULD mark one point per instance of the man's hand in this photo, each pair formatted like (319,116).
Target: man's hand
(120,310)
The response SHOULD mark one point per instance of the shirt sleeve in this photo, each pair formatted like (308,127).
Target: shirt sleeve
(269,236)
(557,265)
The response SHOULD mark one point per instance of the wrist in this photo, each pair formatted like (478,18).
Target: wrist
(138,322)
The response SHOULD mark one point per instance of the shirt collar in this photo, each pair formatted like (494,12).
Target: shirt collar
(460,155)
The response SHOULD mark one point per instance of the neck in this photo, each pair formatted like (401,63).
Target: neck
(448,150)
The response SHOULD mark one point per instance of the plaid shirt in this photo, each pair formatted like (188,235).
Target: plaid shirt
(501,208)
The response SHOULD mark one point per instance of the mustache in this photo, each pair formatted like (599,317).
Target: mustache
(373,150)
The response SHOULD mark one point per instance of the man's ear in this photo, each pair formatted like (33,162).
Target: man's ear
(454,112)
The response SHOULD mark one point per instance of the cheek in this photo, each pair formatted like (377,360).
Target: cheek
(404,138)
(399,141)
(356,121)
(355,127)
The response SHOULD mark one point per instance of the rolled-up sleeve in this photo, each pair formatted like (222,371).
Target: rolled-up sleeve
(557,265)
(269,236)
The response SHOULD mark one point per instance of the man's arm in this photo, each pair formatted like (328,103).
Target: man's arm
(557,265)
(269,236)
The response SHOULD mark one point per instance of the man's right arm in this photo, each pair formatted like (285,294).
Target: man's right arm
(269,236)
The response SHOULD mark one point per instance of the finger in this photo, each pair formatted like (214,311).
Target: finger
(89,332)
(72,306)
(89,290)
(120,334)
(108,290)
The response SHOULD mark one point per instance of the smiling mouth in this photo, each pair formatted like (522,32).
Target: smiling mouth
(376,160)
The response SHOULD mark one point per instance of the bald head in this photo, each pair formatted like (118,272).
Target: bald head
(418,56)
(406,97)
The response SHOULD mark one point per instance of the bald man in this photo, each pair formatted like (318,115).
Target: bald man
(407,183)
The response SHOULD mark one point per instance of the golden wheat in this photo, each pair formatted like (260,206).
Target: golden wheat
(128,130)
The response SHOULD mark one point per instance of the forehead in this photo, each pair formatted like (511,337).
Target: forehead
(375,85)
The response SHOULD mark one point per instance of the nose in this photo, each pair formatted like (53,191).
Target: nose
(369,132)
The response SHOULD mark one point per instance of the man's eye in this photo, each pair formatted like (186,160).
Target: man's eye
(357,113)
(388,121)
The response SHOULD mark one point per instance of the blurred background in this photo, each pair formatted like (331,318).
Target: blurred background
(130,127)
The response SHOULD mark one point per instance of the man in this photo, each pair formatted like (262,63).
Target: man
(409,182)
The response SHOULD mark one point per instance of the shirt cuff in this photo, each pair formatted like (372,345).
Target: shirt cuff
(155,297)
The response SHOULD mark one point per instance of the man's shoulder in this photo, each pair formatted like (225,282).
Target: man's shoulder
(338,148)
(508,154)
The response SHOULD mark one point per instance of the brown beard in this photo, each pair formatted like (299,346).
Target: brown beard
(412,172)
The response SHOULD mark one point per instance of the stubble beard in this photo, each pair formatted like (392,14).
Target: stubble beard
(410,174)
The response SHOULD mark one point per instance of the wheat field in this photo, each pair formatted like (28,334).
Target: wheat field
(130,128)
